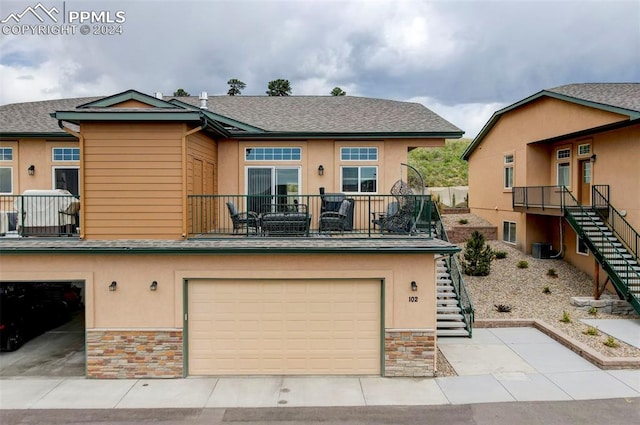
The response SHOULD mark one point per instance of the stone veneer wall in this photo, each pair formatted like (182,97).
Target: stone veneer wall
(410,352)
(460,234)
(134,354)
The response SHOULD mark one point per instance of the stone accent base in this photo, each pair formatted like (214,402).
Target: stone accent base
(410,352)
(606,304)
(460,234)
(134,354)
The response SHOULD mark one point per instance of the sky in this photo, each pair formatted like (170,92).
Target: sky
(462,59)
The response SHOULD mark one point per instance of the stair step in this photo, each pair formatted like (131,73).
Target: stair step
(449,316)
(452,324)
(452,332)
(447,302)
(447,309)
(444,282)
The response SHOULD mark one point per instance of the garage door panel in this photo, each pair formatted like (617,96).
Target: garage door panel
(284,327)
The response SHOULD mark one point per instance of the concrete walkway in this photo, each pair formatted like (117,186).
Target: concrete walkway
(496,365)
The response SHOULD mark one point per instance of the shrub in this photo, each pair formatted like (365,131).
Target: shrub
(546,289)
(500,254)
(610,342)
(502,308)
(522,264)
(552,273)
(565,317)
(591,331)
(463,221)
(593,311)
(477,256)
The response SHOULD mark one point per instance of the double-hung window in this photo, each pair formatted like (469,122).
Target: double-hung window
(563,157)
(508,171)
(509,232)
(359,178)
(6,170)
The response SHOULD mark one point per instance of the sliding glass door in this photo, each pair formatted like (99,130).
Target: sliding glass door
(269,187)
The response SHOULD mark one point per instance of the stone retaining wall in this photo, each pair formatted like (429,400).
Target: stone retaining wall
(605,304)
(122,354)
(410,352)
(460,234)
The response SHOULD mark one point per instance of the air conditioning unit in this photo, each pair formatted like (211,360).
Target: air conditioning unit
(541,250)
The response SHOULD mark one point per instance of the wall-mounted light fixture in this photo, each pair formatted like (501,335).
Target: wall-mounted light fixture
(593,158)
(31,170)
(320,170)
(414,286)
(113,285)
(154,286)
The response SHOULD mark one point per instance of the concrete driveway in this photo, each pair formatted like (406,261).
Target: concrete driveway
(59,352)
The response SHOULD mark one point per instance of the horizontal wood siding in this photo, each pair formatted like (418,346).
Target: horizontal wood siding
(133,180)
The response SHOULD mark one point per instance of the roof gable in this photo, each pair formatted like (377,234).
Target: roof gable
(623,99)
(114,100)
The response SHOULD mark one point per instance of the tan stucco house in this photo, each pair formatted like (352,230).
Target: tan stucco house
(558,174)
(221,235)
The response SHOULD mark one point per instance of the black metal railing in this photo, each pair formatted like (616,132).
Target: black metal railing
(305,215)
(543,197)
(455,273)
(39,215)
(616,221)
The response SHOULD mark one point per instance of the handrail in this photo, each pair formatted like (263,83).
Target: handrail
(620,226)
(466,305)
(608,247)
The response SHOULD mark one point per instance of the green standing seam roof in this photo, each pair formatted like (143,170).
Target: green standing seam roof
(592,95)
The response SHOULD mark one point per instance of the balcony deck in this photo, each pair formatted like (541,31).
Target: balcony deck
(541,200)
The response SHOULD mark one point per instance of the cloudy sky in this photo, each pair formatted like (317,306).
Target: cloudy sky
(462,59)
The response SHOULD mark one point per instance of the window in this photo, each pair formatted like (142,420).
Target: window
(581,247)
(273,154)
(584,149)
(563,174)
(359,154)
(66,154)
(6,154)
(563,153)
(360,179)
(509,232)
(6,180)
(508,171)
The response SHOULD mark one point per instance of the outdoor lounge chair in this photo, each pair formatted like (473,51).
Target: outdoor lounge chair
(248,220)
(403,219)
(336,220)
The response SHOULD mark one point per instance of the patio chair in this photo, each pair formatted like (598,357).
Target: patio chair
(378,217)
(336,220)
(403,219)
(248,220)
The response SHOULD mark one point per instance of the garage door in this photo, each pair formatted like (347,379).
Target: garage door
(284,327)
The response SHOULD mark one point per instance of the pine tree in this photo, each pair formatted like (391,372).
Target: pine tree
(477,256)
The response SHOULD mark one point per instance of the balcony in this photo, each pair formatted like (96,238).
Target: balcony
(542,200)
(224,216)
(39,213)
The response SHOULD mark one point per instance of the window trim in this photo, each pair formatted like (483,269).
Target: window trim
(10,168)
(578,238)
(272,160)
(359,148)
(359,167)
(586,153)
(563,158)
(508,166)
(515,232)
(53,154)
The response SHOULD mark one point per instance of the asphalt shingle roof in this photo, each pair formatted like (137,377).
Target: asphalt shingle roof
(620,95)
(314,114)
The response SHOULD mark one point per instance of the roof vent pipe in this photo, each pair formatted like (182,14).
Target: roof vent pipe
(158,95)
(203,100)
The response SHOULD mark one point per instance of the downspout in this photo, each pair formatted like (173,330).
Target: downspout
(80,138)
(561,252)
(185,199)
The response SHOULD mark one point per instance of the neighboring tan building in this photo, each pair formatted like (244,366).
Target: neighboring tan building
(174,285)
(535,161)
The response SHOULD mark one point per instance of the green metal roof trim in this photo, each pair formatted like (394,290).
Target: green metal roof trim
(144,115)
(220,118)
(123,97)
(632,114)
(590,131)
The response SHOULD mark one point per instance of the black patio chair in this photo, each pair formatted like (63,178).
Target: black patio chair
(241,220)
(337,221)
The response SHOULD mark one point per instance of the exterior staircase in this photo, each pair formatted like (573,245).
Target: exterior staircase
(611,240)
(454,314)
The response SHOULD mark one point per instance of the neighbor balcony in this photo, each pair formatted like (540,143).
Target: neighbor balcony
(542,200)
(329,215)
(39,215)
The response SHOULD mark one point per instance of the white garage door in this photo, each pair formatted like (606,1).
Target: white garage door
(283,327)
